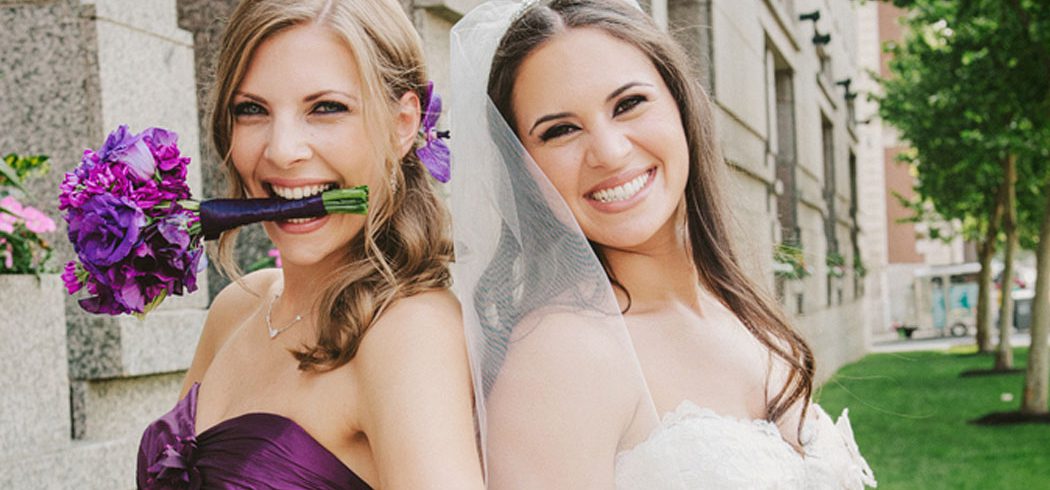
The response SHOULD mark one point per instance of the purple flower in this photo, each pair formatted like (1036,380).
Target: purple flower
(102,301)
(433,153)
(131,150)
(70,277)
(104,229)
(163,146)
(137,232)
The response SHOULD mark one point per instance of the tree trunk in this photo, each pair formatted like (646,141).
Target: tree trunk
(984,279)
(1004,355)
(1037,376)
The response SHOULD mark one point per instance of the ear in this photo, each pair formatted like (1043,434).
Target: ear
(408,120)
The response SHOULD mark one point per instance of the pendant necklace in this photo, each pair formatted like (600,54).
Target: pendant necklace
(274,332)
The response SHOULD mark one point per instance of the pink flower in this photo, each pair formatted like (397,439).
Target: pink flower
(276,254)
(7,221)
(36,221)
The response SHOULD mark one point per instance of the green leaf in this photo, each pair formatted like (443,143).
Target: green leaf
(10,177)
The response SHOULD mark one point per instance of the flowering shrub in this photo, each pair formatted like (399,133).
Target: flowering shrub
(836,264)
(789,262)
(23,249)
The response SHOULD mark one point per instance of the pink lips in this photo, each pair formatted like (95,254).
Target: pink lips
(617,180)
(300,228)
(618,206)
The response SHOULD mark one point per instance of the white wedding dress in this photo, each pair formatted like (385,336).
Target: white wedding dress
(695,448)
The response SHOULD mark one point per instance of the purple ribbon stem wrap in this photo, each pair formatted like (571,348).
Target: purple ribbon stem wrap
(219,215)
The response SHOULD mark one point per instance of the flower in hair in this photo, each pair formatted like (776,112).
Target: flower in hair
(433,153)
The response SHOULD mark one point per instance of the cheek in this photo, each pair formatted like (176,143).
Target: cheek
(245,149)
(561,167)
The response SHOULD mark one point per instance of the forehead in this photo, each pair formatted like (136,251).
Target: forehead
(302,59)
(577,65)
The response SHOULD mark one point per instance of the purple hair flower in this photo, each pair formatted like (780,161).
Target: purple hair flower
(137,233)
(433,152)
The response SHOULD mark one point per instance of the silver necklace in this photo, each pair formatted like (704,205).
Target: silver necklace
(274,332)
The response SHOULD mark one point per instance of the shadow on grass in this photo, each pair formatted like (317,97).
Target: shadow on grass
(970,373)
(1012,418)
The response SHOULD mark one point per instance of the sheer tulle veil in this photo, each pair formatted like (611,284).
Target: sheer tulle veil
(559,389)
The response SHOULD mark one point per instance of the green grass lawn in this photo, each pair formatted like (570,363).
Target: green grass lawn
(910,415)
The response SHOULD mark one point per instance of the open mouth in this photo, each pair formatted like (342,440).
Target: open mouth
(625,190)
(296,193)
(300,192)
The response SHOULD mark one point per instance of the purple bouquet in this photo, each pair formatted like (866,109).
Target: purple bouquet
(138,235)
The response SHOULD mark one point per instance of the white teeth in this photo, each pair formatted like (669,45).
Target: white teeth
(623,191)
(299,192)
(300,220)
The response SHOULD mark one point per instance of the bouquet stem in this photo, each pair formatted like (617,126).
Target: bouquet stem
(219,215)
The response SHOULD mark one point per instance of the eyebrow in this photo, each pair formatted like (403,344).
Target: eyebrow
(615,93)
(309,98)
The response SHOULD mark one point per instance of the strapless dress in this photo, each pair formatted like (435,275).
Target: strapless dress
(250,451)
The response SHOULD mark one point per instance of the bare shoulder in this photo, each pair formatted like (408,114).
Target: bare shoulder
(414,324)
(581,343)
(416,394)
(227,311)
(562,401)
(418,334)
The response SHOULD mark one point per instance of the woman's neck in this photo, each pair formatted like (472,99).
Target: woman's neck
(657,273)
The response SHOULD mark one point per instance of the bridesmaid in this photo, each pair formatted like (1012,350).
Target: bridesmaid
(347,368)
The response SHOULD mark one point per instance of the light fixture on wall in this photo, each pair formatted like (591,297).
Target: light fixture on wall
(811,16)
(845,83)
(818,38)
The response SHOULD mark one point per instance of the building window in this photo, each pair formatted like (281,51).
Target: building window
(828,141)
(782,144)
(856,264)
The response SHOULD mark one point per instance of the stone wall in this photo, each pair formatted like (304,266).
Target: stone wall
(70,72)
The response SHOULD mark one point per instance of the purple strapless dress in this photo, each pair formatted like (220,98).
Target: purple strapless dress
(254,450)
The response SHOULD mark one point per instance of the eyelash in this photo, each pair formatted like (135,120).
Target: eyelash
(330,107)
(625,105)
(557,131)
(248,109)
(628,103)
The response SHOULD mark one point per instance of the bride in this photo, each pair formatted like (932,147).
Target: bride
(614,337)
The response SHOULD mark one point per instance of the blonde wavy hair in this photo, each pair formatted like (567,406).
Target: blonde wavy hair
(404,248)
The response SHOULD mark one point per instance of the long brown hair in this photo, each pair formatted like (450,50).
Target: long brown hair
(404,248)
(706,212)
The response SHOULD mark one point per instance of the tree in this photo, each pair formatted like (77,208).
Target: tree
(971,93)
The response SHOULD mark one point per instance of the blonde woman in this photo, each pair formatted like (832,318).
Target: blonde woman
(347,367)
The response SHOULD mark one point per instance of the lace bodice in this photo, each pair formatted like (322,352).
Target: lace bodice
(695,448)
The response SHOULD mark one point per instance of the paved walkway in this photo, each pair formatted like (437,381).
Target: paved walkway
(891,342)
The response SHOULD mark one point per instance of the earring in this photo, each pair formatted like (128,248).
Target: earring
(393,180)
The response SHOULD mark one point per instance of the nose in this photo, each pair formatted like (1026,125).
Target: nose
(288,142)
(609,146)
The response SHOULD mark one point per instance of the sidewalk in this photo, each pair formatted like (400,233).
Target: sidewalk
(929,340)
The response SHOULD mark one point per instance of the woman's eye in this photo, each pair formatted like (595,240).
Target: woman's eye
(329,107)
(248,109)
(628,103)
(557,131)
